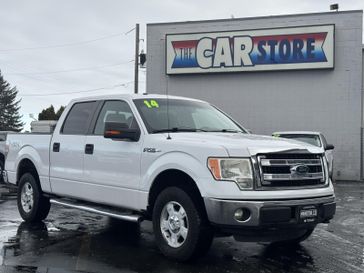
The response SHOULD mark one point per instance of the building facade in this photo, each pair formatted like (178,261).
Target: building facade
(276,73)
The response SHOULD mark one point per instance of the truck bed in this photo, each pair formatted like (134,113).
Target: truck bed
(35,147)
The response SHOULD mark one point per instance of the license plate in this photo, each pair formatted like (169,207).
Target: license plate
(308,215)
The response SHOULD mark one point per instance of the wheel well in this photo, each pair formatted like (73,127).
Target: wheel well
(26,166)
(175,178)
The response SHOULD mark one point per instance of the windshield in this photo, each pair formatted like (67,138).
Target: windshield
(184,116)
(310,139)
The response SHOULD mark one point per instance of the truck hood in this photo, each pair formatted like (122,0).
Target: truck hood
(237,144)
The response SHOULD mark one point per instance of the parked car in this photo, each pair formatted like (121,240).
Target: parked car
(3,135)
(181,163)
(314,138)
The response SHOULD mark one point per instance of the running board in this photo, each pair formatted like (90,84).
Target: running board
(105,211)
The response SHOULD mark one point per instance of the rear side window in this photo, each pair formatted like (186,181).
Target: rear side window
(79,118)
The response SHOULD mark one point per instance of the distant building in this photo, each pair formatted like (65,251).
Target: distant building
(274,73)
(43,126)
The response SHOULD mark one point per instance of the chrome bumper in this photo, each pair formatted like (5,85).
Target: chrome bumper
(221,212)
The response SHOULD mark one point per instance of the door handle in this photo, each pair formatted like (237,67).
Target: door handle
(56,146)
(89,149)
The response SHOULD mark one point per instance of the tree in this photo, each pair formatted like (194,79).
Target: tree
(59,112)
(10,119)
(50,114)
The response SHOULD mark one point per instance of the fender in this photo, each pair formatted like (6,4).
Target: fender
(28,152)
(175,160)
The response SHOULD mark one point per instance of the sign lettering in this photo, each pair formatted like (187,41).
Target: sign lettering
(309,47)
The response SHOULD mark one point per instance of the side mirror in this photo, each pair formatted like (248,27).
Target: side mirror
(116,130)
(329,147)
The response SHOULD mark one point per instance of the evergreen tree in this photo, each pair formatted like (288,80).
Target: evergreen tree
(50,114)
(10,119)
(59,112)
(47,114)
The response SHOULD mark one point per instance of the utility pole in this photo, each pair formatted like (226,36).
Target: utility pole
(136,63)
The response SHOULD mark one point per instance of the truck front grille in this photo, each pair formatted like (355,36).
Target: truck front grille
(291,170)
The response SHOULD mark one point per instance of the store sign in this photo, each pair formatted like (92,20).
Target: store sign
(310,47)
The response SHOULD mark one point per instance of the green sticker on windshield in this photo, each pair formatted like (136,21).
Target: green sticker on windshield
(151,104)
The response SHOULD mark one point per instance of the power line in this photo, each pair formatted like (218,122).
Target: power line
(68,70)
(26,76)
(76,92)
(63,45)
(126,33)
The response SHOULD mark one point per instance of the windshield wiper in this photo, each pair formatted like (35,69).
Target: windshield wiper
(226,131)
(176,129)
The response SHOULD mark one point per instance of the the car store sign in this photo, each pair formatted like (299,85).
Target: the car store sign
(309,47)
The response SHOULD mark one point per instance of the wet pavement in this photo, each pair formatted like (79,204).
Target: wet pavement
(74,241)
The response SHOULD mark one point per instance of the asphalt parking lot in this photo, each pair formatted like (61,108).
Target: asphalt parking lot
(74,241)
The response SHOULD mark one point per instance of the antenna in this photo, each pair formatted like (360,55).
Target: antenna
(168,125)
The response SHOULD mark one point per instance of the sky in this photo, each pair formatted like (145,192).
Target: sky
(57,50)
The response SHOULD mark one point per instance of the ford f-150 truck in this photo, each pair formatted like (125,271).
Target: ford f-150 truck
(181,163)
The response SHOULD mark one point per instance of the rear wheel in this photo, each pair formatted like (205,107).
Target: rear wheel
(181,230)
(32,205)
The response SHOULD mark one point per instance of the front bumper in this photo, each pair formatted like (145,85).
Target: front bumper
(266,214)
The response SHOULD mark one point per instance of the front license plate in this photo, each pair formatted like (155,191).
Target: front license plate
(308,215)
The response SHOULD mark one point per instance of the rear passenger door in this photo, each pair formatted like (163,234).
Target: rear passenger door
(68,148)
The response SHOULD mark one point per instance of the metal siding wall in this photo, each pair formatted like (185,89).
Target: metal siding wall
(321,100)
(362,119)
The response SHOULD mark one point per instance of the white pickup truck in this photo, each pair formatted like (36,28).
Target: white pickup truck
(180,162)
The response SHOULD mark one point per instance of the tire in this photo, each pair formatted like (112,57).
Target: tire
(297,240)
(32,205)
(181,212)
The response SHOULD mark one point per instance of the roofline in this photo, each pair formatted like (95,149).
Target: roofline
(131,96)
(255,17)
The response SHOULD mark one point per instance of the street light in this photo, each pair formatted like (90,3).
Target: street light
(334,7)
(32,117)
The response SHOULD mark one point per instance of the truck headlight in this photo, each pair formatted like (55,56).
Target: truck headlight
(238,170)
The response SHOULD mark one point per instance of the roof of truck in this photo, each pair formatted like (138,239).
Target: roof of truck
(131,96)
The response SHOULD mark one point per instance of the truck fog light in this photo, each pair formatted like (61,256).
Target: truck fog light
(242,214)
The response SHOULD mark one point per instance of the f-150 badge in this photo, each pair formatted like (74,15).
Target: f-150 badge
(151,150)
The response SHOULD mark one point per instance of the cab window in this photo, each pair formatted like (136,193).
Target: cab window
(115,111)
(79,118)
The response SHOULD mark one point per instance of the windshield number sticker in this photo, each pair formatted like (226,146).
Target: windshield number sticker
(151,104)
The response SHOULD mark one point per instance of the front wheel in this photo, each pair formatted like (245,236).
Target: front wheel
(32,205)
(182,233)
